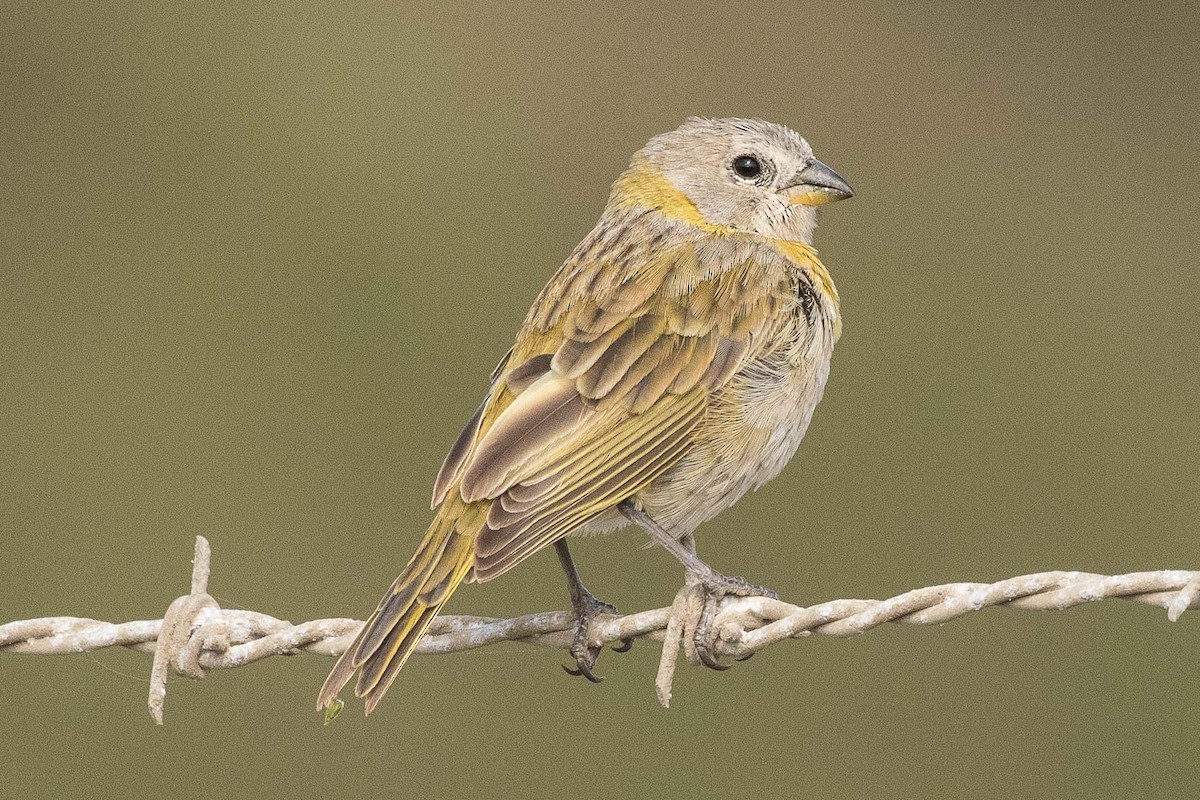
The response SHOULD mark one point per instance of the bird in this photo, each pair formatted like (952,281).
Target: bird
(671,365)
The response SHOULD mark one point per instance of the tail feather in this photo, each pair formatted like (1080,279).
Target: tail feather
(377,674)
(448,573)
(443,560)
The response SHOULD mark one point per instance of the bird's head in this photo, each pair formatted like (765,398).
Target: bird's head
(741,174)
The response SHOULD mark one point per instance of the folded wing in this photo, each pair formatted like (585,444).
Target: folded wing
(603,392)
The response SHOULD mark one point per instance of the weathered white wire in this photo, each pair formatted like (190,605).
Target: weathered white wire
(201,636)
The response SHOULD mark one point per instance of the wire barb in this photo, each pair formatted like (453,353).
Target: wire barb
(196,635)
(177,648)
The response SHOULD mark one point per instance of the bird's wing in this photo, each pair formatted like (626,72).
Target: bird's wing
(604,389)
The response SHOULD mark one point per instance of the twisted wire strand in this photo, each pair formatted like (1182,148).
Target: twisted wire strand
(201,636)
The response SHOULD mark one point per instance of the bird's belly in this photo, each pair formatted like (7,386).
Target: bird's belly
(751,431)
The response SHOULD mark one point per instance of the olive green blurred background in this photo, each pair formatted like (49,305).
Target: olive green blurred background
(257,264)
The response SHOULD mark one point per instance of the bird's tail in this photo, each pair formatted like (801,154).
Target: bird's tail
(440,564)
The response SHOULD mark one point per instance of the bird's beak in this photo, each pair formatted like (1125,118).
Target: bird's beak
(816,185)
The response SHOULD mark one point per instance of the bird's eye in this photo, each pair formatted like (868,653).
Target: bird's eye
(747,167)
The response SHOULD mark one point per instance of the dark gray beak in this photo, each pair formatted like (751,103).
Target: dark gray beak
(816,185)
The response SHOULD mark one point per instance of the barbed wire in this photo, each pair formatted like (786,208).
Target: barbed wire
(196,635)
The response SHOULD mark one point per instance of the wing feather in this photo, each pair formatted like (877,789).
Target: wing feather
(617,456)
(452,466)
(588,505)
(616,361)
(549,410)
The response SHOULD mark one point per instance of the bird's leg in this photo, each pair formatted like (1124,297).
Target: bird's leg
(716,585)
(586,606)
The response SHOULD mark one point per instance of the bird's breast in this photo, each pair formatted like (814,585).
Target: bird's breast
(754,424)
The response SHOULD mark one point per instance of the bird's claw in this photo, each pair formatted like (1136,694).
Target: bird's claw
(584,671)
(705,655)
(717,586)
(587,608)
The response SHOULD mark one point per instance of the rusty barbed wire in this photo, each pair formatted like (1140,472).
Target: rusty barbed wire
(196,635)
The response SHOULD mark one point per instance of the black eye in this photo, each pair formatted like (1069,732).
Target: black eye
(747,167)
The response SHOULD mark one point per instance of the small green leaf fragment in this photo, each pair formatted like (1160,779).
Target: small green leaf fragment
(333,709)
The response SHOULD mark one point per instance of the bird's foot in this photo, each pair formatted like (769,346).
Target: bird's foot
(587,607)
(716,586)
